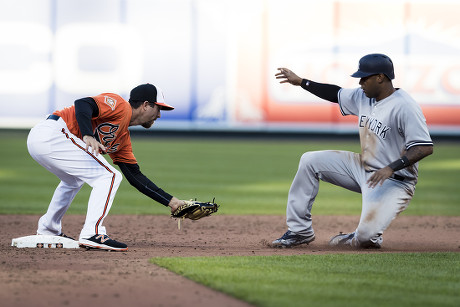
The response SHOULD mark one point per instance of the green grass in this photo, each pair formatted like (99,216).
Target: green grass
(253,177)
(245,176)
(411,279)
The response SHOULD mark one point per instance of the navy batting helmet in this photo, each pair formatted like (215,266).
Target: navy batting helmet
(373,64)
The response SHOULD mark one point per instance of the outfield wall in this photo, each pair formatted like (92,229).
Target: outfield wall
(216,59)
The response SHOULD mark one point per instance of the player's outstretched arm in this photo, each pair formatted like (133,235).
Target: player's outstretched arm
(138,180)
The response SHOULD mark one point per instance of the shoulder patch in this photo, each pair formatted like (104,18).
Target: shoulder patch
(110,101)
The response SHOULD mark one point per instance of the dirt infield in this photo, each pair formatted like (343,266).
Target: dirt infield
(65,277)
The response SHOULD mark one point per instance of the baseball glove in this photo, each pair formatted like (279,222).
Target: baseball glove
(195,210)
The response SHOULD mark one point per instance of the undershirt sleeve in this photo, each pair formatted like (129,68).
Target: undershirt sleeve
(138,180)
(85,109)
(324,91)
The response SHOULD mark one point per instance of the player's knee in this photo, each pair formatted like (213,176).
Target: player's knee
(309,158)
(118,177)
(113,178)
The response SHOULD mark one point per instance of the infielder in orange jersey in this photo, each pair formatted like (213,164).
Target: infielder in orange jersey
(69,143)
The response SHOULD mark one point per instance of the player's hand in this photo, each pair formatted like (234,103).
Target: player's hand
(378,177)
(287,76)
(93,146)
(175,203)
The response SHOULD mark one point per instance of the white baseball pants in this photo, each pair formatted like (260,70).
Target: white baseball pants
(52,145)
(380,205)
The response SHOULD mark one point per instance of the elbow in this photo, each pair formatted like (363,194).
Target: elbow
(427,150)
(430,150)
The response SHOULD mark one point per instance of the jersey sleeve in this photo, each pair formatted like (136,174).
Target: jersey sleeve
(109,106)
(349,99)
(413,127)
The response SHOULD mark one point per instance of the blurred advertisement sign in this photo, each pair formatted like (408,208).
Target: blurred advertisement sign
(216,60)
(324,40)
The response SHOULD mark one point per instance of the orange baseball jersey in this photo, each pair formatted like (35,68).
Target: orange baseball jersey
(110,127)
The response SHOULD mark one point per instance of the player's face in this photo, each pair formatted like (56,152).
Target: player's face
(370,86)
(151,114)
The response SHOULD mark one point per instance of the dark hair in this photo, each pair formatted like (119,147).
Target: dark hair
(135,103)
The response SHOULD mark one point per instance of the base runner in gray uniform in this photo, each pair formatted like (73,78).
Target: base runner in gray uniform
(394,137)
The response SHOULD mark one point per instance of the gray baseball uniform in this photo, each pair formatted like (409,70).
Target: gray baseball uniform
(387,129)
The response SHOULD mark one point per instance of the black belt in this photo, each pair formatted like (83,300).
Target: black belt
(397,177)
(394,176)
(53,117)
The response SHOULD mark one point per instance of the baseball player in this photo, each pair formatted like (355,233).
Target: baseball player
(69,143)
(394,137)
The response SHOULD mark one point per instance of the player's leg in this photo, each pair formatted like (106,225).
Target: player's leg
(43,141)
(62,153)
(105,183)
(50,223)
(103,178)
(380,206)
(73,160)
(336,167)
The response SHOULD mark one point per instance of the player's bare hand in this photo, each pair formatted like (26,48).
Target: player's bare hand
(93,146)
(287,76)
(378,177)
(175,203)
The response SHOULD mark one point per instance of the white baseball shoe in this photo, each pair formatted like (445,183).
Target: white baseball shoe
(342,239)
(346,239)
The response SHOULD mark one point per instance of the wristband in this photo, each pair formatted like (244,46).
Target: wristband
(399,164)
(305,83)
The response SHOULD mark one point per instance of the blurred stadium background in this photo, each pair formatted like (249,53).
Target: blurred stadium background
(215,59)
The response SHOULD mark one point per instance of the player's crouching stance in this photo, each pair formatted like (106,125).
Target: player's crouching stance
(394,137)
(68,144)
